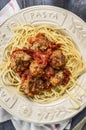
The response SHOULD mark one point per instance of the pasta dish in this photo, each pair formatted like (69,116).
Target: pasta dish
(42,62)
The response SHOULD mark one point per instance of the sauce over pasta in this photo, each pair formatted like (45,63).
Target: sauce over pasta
(42,62)
(40,67)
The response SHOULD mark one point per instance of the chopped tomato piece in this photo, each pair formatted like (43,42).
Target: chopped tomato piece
(32,40)
(41,58)
(49,71)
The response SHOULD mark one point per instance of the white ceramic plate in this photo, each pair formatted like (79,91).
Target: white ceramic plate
(59,110)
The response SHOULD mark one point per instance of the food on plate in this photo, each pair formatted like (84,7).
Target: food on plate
(42,62)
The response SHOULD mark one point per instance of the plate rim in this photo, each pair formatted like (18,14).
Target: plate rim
(42,6)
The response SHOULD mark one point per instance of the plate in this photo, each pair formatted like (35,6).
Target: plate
(59,110)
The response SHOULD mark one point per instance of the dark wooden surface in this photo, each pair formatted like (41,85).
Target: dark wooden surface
(76,6)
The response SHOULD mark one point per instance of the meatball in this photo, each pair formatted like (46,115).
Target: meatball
(36,85)
(39,42)
(25,87)
(35,47)
(42,40)
(57,79)
(33,86)
(35,69)
(20,60)
(57,59)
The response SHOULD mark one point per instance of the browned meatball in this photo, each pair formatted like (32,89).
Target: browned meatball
(33,86)
(20,60)
(35,69)
(25,87)
(43,43)
(57,59)
(39,42)
(57,79)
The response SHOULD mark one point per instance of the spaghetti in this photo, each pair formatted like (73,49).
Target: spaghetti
(41,62)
